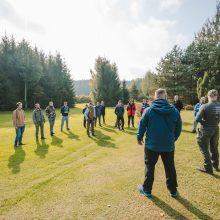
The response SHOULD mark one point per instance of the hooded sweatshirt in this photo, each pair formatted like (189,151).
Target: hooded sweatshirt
(162,124)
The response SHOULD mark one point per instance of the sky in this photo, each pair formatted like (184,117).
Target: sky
(134,34)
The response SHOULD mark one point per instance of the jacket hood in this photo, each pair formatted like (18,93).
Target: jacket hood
(162,106)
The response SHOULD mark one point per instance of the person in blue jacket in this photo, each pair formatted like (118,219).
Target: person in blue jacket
(119,111)
(65,115)
(196,110)
(162,124)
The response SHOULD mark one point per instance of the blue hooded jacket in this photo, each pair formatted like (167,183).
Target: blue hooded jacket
(162,124)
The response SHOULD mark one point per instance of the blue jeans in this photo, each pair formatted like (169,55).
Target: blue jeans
(19,135)
(64,118)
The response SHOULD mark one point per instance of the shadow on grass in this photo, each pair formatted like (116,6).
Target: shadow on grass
(191,208)
(109,129)
(42,149)
(186,131)
(103,140)
(187,123)
(16,160)
(131,131)
(216,176)
(71,135)
(168,209)
(56,141)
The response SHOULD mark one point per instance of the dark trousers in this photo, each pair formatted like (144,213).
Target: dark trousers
(84,122)
(99,118)
(130,119)
(41,126)
(90,124)
(208,139)
(19,135)
(103,118)
(151,158)
(120,122)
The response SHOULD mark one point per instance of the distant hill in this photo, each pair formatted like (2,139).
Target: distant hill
(82,87)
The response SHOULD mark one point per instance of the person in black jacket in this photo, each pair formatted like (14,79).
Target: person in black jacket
(84,119)
(103,111)
(65,115)
(177,103)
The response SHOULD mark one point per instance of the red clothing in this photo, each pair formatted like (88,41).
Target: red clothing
(131,109)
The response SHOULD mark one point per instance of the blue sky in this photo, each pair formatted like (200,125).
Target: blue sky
(133,33)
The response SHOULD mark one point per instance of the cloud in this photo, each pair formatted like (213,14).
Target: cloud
(9,14)
(170,4)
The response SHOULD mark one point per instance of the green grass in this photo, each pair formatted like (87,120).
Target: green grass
(71,176)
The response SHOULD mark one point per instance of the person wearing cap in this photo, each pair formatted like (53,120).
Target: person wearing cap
(18,118)
(196,110)
(65,115)
(208,134)
(39,120)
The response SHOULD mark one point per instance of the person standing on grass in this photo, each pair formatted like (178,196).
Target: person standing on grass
(196,110)
(144,105)
(103,111)
(18,118)
(51,114)
(39,120)
(90,114)
(65,115)
(131,112)
(208,135)
(84,119)
(119,111)
(162,124)
(98,114)
(177,103)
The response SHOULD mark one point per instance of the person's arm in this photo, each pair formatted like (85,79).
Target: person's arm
(178,128)
(142,127)
(14,118)
(116,110)
(94,113)
(200,115)
(42,113)
(86,114)
(33,117)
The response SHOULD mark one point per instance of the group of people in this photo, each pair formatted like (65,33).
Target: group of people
(162,124)
(18,118)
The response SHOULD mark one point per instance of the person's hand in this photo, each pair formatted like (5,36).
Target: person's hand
(140,142)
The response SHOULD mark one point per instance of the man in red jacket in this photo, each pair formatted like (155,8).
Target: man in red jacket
(131,112)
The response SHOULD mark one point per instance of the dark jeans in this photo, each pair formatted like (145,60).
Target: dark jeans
(103,117)
(120,122)
(90,124)
(130,119)
(208,139)
(99,118)
(19,135)
(41,126)
(151,158)
(51,121)
(84,122)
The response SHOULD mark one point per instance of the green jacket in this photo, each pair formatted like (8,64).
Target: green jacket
(38,116)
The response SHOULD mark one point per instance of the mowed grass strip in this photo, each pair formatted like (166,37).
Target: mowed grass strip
(71,176)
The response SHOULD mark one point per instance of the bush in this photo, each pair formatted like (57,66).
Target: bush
(189,107)
(83,99)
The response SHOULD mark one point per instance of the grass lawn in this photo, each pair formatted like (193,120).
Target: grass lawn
(71,176)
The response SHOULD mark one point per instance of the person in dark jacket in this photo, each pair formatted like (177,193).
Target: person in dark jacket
(131,112)
(39,120)
(103,111)
(208,135)
(144,105)
(119,111)
(90,114)
(65,115)
(98,114)
(177,103)
(84,119)
(162,124)
(51,114)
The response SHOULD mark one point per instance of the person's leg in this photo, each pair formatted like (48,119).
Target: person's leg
(84,122)
(214,149)
(17,137)
(203,140)
(88,127)
(151,159)
(42,130)
(129,118)
(122,122)
(132,118)
(21,134)
(103,116)
(99,117)
(67,122)
(118,122)
(37,130)
(51,126)
(92,128)
(170,170)
(195,125)
(62,123)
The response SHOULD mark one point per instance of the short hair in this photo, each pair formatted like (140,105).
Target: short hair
(213,93)
(18,103)
(159,93)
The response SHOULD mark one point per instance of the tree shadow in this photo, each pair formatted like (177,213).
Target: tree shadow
(42,149)
(168,209)
(191,208)
(56,141)
(16,160)
(71,135)
(103,140)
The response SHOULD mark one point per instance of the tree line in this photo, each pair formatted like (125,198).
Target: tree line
(30,76)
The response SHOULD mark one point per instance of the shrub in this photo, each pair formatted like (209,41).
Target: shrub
(83,99)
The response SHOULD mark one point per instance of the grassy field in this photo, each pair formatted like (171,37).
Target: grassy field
(71,176)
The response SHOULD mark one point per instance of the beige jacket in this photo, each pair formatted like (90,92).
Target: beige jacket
(18,118)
